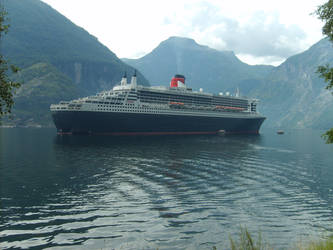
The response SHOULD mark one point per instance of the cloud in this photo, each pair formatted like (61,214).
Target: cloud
(261,60)
(262,35)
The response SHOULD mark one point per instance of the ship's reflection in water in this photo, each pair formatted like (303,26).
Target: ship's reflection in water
(161,191)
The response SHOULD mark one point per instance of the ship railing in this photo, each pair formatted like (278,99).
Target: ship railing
(55,107)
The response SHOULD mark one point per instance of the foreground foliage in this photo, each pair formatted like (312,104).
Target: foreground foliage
(7,87)
(325,13)
(247,242)
(323,245)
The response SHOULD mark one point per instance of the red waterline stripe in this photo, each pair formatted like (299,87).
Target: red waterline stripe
(160,133)
(146,133)
(243,132)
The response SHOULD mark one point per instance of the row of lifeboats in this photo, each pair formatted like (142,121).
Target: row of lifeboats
(227,107)
(181,104)
(176,103)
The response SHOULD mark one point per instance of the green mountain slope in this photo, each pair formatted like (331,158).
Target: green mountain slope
(42,84)
(42,39)
(206,68)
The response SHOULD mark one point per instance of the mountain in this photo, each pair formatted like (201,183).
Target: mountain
(203,67)
(57,60)
(293,96)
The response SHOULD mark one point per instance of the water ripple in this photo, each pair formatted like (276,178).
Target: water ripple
(162,192)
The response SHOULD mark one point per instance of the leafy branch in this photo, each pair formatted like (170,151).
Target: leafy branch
(325,13)
(7,87)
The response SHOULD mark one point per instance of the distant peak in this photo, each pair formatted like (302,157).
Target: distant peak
(179,38)
(180,41)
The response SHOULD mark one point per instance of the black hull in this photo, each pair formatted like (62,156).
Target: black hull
(133,123)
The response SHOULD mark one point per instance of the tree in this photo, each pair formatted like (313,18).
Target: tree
(7,87)
(325,13)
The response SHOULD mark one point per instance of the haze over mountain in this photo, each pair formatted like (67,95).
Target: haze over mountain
(292,95)
(58,60)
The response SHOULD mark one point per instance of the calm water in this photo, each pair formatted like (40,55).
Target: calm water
(93,192)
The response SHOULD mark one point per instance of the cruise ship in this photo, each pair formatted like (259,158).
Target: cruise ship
(132,109)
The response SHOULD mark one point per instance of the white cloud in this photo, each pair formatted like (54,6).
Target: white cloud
(262,29)
(257,60)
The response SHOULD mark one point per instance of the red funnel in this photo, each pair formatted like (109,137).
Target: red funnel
(175,79)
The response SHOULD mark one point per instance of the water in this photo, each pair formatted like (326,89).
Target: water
(165,192)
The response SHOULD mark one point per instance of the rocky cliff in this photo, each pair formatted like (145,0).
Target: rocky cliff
(293,95)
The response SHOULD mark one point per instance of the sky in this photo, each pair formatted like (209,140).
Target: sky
(258,31)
